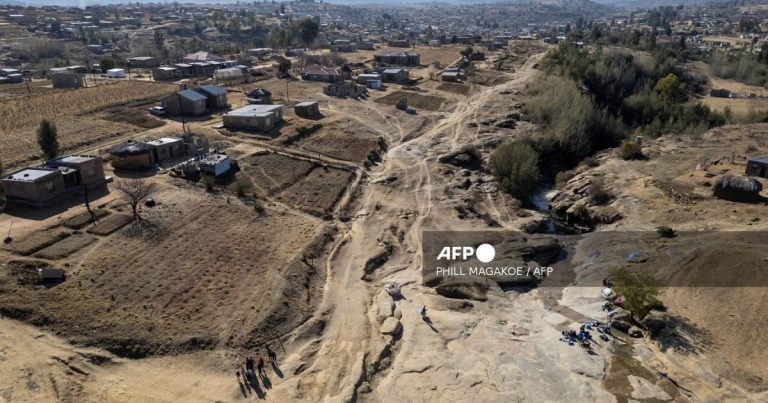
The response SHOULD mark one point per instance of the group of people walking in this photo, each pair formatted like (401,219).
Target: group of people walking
(246,375)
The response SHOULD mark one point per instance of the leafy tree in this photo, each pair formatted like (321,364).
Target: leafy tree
(671,90)
(516,167)
(467,52)
(106,63)
(307,29)
(639,291)
(47,139)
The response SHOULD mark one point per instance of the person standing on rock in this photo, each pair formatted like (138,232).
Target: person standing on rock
(424,312)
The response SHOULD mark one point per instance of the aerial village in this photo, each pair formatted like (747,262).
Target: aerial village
(218,188)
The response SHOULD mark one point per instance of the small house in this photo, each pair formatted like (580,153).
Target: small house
(450,76)
(14,78)
(214,164)
(757,166)
(397,58)
(259,96)
(371,80)
(254,117)
(86,170)
(132,155)
(50,274)
(67,79)
(167,148)
(202,56)
(216,97)
(307,109)
(396,75)
(345,89)
(164,73)
(144,62)
(186,103)
(96,49)
(322,74)
(33,186)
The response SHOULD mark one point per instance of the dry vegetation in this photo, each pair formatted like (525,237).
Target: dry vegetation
(235,273)
(26,112)
(318,192)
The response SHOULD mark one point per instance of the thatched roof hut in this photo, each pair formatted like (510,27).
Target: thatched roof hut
(738,188)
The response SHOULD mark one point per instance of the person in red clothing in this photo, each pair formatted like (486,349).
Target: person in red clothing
(261,365)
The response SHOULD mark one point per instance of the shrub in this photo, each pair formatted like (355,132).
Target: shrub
(242,185)
(562,178)
(665,232)
(590,162)
(209,182)
(630,150)
(516,168)
(258,207)
(597,193)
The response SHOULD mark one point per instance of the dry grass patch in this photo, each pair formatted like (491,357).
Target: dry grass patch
(83,219)
(272,172)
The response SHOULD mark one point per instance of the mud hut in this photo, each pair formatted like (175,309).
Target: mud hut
(132,155)
(738,188)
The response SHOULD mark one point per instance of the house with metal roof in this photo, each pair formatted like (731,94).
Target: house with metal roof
(186,103)
(254,117)
(216,97)
(757,166)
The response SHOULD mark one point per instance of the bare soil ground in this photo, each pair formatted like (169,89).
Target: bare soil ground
(110,224)
(415,99)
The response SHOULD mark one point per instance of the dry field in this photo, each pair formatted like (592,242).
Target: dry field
(21,113)
(37,88)
(352,146)
(272,172)
(221,276)
(318,192)
(73,132)
(73,113)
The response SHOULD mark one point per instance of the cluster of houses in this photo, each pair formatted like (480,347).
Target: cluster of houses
(134,155)
(57,179)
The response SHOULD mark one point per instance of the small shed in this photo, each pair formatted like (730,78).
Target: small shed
(67,79)
(307,109)
(394,75)
(259,96)
(132,155)
(164,73)
(215,164)
(757,166)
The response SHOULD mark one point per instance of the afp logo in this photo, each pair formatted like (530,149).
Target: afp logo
(484,253)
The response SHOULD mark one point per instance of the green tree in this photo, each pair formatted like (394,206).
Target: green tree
(106,63)
(307,29)
(671,90)
(639,291)
(516,167)
(466,52)
(47,139)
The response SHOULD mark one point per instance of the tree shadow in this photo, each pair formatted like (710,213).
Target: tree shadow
(680,335)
